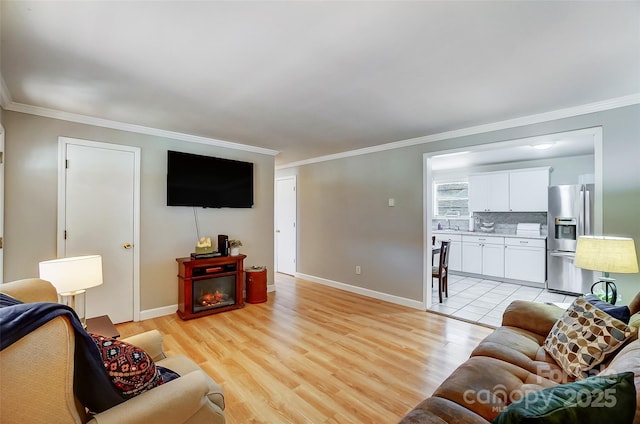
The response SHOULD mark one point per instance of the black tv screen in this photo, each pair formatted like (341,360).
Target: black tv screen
(210,182)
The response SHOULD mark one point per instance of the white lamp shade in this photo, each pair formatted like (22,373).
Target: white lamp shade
(607,254)
(74,273)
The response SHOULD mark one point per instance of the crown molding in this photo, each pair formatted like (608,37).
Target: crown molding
(8,104)
(106,123)
(479,129)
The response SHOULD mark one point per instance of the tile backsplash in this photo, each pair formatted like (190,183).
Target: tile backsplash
(503,222)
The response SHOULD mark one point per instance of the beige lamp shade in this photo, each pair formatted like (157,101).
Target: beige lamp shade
(607,254)
(72,274)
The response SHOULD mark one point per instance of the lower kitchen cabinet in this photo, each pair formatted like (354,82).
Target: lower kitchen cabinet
(471,257)
(503,258)
(493,260)
(483,255)
(524,259)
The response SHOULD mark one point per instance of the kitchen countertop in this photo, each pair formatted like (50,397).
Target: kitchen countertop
(482,233)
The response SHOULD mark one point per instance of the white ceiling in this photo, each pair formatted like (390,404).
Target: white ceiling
(316,78)
(566,144)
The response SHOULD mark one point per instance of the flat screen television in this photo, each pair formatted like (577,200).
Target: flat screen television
(207,181)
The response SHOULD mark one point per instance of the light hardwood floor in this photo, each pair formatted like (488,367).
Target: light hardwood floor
(314,354)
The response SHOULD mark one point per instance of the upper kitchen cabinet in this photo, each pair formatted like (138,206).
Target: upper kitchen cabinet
(521,190)
(528,190)
(489,192)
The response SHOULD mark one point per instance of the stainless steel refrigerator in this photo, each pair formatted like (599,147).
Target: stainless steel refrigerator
(570,216)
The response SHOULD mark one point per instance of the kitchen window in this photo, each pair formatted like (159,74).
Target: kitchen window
(451,199)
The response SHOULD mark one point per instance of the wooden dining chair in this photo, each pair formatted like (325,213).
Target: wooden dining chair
(441,272)
(433,243)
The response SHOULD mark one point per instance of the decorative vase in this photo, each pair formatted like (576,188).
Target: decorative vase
(234,251)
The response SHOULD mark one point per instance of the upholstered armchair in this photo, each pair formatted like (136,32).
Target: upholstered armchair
(37,377)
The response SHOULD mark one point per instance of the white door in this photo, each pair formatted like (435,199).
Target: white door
(286,213)
(99,216)
(1,204)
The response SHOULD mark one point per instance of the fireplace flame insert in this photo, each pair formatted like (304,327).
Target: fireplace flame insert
(208,286)
(214,292)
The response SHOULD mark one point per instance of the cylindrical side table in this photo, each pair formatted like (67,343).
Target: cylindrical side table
(256,284)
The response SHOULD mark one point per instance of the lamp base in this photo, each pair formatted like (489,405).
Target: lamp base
(610,290)
(77,301)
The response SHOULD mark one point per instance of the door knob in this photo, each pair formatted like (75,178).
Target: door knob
(277,231)
(127,245)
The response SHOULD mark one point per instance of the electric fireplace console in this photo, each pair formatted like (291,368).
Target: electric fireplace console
(209,286)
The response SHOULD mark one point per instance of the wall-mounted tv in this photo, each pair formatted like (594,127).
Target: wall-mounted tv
(210,182)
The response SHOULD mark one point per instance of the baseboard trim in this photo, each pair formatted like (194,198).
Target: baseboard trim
(171,309)
(158,312)
(364,292)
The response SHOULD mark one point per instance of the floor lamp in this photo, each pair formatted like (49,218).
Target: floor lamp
(72,277)
(607,254)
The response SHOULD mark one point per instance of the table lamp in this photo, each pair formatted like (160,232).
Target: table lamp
(71,277)
(607,254)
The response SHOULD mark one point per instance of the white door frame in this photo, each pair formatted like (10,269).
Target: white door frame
(427,205)
(62,176)
(2,160)
(275,221)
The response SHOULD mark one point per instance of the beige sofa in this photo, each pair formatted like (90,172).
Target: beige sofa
(37,377)
(511,360)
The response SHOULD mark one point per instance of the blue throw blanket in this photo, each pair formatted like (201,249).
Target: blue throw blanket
(91,383)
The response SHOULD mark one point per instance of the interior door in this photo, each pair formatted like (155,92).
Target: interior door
(286,213)
(99,217)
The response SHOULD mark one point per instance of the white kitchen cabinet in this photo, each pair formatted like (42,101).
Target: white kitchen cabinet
(472,257)
(455,250)
(493,260)
(520,190)
(483,255)
(489,192)
(528,190)
(525,259)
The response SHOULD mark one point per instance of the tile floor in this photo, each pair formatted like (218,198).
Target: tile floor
(484,301)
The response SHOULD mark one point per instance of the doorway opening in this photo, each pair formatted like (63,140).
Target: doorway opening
(471,159)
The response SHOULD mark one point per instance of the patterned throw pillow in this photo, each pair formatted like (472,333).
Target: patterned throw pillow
(131,369)
(583,336)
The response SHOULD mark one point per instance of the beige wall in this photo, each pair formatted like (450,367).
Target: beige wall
(344,219)
(165,232)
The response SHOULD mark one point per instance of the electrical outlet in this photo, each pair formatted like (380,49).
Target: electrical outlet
(358,270)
